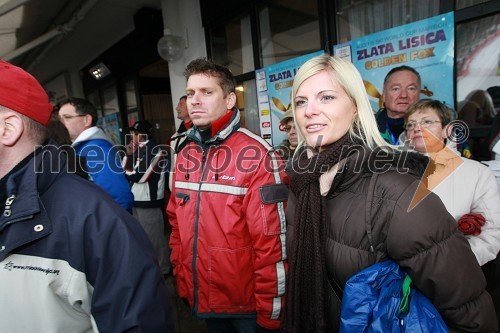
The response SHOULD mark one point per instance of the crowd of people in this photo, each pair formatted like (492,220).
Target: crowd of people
(261,238)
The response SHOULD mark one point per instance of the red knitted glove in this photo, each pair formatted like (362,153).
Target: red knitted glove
(470,224)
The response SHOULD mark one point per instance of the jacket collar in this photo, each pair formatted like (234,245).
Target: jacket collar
(381,118)
(222,132)
(363,161)
(444,155)
(91,133)
(184,126)
(24,186)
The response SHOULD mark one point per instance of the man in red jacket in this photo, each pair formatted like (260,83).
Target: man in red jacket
(227,212)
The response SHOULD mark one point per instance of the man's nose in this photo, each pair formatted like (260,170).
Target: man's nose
(195,99)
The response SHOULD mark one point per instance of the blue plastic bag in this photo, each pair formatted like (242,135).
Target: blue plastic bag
(373,298)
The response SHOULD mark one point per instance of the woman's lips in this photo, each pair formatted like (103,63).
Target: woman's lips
(312,128)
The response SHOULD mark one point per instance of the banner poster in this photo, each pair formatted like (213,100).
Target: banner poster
(110,124)
(274,89)
(426,45)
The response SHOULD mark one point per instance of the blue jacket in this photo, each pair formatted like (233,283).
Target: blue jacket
(70,259)
(373,297)
(104,166)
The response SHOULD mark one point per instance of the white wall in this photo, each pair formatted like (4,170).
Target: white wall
(183,18)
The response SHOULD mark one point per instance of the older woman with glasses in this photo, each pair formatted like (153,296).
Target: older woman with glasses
(467,188)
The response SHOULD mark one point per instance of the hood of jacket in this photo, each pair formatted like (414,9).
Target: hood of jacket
(93,133)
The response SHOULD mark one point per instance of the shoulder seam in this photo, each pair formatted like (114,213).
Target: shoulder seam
(257,138)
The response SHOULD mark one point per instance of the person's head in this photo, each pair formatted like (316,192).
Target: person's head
(140,131)
(402,87)
(291,132)
(57,131)
(480,103)
(330,100)
(210,91)
(77,114)
(495,96)
(24,114)
(181,108)
(427,125)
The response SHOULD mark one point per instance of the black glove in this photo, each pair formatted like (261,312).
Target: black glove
(260,329)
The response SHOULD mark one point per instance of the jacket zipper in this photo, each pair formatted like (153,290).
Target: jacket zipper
(195,239)
(8,204)
(8,212)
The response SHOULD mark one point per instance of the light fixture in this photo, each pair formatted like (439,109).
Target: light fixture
(99,71)
(240,88)
(170,47)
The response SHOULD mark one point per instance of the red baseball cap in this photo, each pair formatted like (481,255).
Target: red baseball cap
(21,92)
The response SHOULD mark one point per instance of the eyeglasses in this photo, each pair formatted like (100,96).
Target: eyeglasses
(289,128)
(67,116)
(424,123)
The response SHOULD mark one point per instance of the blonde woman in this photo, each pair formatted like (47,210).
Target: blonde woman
(349,208)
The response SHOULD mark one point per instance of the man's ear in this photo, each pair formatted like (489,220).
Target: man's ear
(11,128)
(230,100)
(88,121)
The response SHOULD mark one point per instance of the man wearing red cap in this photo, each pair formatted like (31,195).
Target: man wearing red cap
(72,260)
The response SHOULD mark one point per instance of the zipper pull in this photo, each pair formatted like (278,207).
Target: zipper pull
(8,203)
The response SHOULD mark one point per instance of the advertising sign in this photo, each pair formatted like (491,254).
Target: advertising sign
(426,45)
(274,90)
(111,126)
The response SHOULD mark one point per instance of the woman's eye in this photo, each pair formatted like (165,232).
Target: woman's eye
(299,103)
(327,98)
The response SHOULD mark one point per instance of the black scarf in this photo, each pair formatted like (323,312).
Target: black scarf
(305,306)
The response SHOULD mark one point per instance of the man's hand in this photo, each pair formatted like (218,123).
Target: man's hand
(131,147)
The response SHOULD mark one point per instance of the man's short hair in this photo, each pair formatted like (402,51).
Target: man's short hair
(400,69)
(208,67)
(82,106)
(184,97)
(38,132)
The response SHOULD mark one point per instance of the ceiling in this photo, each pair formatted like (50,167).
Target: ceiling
(47,37)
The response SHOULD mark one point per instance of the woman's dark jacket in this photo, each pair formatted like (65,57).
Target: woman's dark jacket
(424,241)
